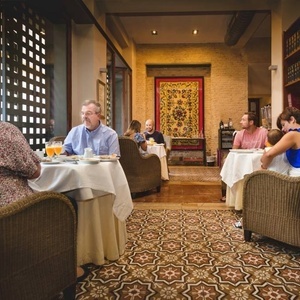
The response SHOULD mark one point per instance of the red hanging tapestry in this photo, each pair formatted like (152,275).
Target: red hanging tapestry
(179,108)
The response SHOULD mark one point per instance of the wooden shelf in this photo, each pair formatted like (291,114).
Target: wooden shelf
(291,65)
(293,55)
(293,83)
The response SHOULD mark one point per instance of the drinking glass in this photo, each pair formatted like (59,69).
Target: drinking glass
(57,148)
(49,149)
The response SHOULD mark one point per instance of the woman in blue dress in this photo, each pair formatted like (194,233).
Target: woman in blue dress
(289,143)
(134,132)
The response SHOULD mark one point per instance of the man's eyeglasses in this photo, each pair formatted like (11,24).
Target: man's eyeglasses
(87,113)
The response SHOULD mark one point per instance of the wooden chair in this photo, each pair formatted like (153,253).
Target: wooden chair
(271,206)
(38,248)
(143,173)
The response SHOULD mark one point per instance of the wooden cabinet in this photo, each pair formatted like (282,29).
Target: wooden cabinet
(225,138)
(291,67)
(190,145)
(225,143)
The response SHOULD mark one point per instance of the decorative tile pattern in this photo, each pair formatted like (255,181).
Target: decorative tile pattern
(195,254)
(194,173)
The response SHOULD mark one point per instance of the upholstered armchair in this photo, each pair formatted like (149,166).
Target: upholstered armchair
(143,172)
(38,248)
(271,206)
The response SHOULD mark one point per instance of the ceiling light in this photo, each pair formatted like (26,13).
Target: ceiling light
(195,31)
(154,32)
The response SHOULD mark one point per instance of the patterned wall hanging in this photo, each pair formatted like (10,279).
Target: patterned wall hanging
(179,108)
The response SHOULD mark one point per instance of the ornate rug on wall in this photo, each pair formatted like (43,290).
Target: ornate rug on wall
(194,254)
(179,107)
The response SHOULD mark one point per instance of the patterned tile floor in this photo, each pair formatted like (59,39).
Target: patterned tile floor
(180,254)
(182,244)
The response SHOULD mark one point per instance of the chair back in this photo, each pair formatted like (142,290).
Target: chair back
(168,142)
(143,172)
(38,248)
(58,138)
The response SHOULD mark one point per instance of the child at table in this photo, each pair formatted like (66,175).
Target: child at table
(280,163)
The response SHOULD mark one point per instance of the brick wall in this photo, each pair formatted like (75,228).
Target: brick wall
(225,86)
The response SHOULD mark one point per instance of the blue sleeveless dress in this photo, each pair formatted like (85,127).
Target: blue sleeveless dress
(293,156)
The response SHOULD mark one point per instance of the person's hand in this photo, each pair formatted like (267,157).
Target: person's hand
(37,173)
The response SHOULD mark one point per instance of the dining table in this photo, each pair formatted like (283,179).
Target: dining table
(104,203)
(238,163)
(160,151)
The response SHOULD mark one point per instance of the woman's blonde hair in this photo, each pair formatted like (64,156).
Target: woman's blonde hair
(134,126)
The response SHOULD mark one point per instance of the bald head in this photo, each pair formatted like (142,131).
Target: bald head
(149,126)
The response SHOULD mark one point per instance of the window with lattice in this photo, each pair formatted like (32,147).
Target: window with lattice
(27,73)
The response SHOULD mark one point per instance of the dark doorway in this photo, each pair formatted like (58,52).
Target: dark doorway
(254,106)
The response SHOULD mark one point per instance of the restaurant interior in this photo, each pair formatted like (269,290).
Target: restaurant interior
(105,50)
(136,57)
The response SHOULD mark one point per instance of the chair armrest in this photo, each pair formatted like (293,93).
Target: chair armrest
(37,246)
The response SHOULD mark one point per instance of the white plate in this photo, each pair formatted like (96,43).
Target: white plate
(159,144)
(60,158)
(90,161)
(51,162)
(241,150)
(109,159)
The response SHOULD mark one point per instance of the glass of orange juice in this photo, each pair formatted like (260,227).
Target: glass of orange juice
(57,148)
(49,149)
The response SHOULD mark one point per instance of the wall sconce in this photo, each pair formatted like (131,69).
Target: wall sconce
(273,68)
(102,70)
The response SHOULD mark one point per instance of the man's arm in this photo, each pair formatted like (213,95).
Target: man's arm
(237,140)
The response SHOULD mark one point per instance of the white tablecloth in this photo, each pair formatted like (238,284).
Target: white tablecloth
(236,166)
(104,203)
(160,151)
